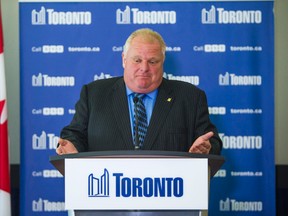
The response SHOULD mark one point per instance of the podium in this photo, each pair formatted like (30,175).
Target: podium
(130,183)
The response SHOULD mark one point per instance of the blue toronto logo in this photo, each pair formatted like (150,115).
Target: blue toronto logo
(135,187)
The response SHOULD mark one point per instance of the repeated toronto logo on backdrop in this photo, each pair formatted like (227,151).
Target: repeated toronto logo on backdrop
(221,16)
(241,142)
(137,16)
(239,80)
(231,204)
(51,17)
(44,141)
(134,187)
(52,81)
(195,80)
(46,205)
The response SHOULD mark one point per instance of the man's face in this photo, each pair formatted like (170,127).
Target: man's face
(143,65)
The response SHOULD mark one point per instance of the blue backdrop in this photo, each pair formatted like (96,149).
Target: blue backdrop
(225,48)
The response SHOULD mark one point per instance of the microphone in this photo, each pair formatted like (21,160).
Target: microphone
(137,145)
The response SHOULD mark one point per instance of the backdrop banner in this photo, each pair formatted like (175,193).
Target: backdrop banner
(225,48)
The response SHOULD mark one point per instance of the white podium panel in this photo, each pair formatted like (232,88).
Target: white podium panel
(136,183)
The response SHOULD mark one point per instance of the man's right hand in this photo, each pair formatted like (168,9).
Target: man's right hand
(65,147)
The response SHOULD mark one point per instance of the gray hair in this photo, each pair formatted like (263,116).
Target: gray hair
(149,35)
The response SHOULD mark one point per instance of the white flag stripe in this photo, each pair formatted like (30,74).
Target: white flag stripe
(3,116)
(5,209)
(2,78)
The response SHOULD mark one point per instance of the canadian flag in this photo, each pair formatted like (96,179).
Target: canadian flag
(5,203)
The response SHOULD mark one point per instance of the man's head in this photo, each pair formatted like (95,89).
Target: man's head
(143,58)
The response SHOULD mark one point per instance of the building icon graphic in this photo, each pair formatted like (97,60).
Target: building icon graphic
(39,142)
(224,79)
(37,80)
(38,17)
(209,16)
(98,187)
(123,17)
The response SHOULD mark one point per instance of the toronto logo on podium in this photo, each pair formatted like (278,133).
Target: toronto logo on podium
(98,187)
(124,186)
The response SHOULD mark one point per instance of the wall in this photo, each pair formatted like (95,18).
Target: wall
(281,78)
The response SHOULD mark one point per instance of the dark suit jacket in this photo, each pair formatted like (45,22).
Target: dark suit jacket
(102,122)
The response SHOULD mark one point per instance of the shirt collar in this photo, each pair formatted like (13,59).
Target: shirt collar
(151,95)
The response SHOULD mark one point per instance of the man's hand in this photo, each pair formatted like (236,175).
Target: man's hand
(65,147)
(202,144)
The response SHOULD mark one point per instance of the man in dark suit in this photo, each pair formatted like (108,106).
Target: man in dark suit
(177,112)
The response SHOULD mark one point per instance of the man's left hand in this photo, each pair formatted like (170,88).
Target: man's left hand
(202,144)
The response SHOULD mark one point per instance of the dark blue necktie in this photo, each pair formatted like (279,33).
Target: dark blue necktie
(140,120)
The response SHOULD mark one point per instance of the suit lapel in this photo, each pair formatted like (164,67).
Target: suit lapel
(164,102)
(121,112)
